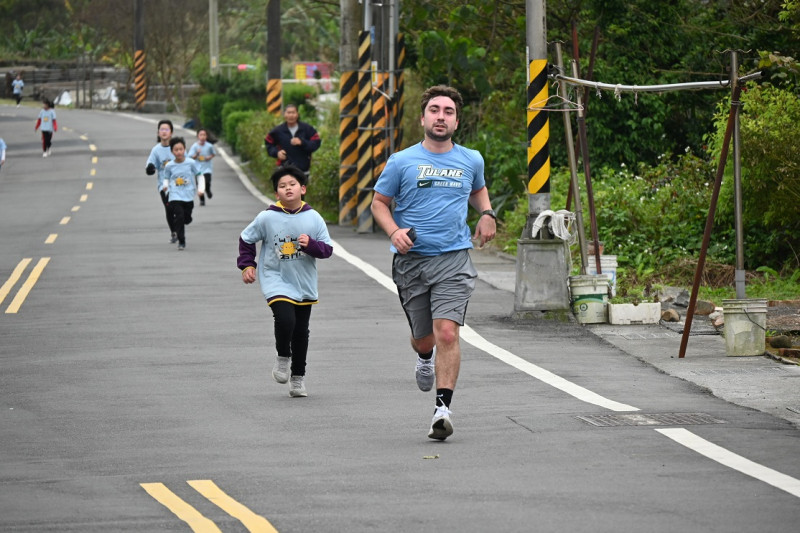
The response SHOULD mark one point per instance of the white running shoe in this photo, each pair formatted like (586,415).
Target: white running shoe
(297,387)
(425,372)
(280,372)
(441,425)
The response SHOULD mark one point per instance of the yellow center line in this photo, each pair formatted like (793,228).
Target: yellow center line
(51,238)
(93,148)
(12,280)
(16,303)
(181,509)
(84,138)
(89,186)
(253,522)
(93,172)
(76,208)
(94,160)
(84,197)
(64,221)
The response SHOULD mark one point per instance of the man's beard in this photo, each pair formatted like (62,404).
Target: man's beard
(438,138)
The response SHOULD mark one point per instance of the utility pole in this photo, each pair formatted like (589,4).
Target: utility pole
(139,55)
(348,110)
(213,37)
(274,88)
(542,261)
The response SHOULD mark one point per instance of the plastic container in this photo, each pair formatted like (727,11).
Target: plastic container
(745,326)
(589,298)
(608,264)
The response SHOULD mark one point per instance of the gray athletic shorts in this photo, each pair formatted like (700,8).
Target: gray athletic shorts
(433,287)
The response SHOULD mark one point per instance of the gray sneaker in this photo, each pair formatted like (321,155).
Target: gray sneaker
(441,426)
(297,387)
(425,372)
(280,372)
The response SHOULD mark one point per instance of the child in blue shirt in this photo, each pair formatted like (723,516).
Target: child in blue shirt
(203,152)
(48,124)
(179,184)
(293,236)
(160,155)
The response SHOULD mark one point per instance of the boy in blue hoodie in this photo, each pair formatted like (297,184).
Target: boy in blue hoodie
(293,236)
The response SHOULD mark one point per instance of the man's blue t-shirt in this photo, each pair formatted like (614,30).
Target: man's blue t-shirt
(431,192)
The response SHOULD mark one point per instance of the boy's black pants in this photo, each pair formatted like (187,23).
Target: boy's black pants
(182,212)
(291,333)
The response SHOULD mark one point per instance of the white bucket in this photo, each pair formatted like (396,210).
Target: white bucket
(608,264)
(589,298)
(745,326)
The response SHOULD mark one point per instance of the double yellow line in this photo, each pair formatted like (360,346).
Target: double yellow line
(195,520)
(26,287)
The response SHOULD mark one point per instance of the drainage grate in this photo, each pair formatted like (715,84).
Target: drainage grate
(639,419)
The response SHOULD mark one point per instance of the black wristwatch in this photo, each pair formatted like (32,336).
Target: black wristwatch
(489,212)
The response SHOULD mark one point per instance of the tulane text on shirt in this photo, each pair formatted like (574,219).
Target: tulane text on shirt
(426,172)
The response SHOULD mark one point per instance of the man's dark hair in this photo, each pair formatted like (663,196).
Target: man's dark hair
(443,90)
(288,170)
(176,140)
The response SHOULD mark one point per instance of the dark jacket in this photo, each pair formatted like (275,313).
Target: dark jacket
(279,138)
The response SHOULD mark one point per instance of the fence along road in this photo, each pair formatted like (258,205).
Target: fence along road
(130,366)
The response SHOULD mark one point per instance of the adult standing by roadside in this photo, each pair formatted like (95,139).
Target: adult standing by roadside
(293,142)
(432,184)
(2,153)
(16,86)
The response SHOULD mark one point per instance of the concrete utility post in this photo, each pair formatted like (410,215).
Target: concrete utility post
(274,84)
(542,261)
(139,55)
(213,37)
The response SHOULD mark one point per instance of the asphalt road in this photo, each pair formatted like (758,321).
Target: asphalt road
(135,388)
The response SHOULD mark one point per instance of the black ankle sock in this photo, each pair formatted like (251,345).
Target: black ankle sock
(444,397)
(426,356)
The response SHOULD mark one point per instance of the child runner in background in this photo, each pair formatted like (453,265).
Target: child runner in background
(160,155)
(293,236)
(180,186)
(203,152)
(17,86)
(47,122)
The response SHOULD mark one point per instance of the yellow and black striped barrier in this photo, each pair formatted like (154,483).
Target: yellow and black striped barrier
(364,164)
(348,146)
(274,102)
(538,129)
(380,123)
(140,80)
(399,94)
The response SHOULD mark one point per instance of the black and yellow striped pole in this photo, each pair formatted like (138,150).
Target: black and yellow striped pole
(139,57)
(364,162)
(538,129)
(542,261)
(274,84)
(274,100)
(399,92)
(380,124)
(348,146)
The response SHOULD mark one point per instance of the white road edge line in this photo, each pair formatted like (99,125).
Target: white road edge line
(732,460)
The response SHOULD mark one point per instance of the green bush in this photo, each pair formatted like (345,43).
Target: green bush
(211,112)
(231,123)
(770,164)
